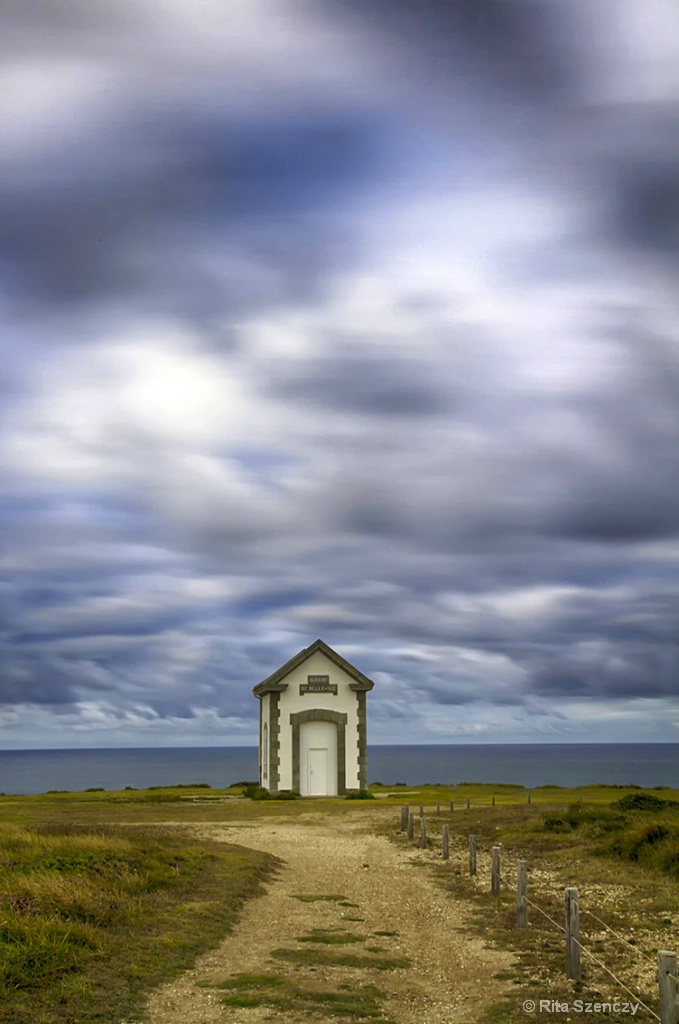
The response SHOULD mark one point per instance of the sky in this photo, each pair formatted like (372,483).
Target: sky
(340,319)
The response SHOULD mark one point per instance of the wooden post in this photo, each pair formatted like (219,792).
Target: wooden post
(421,811)
(493,801)
(423,833)
(521,888)
(529,798)
(572,933)
(495,871)
(438,810)
(411,826)
(405,814)
(669,1004)
(452,806)
(468,801)
(472,855)
(446,846)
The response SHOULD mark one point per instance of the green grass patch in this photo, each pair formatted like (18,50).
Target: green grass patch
(91,921)
(389,934)
(313,957)
(331,937)
(286,995)
(321,898)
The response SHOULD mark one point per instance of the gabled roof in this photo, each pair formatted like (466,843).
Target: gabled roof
(274,683)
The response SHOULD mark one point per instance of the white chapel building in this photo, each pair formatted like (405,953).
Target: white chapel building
(312,725)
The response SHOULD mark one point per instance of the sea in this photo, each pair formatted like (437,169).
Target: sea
(530,765)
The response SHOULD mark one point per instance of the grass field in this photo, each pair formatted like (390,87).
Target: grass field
(92,918)
(99,902)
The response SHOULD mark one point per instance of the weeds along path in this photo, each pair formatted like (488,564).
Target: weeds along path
(350,923)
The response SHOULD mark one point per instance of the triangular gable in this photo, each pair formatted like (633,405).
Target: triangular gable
(275,682)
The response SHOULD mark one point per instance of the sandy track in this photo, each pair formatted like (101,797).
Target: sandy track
(451,974)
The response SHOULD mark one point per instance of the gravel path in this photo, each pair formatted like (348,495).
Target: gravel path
(451,976)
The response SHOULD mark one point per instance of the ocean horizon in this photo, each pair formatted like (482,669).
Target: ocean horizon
(25,772)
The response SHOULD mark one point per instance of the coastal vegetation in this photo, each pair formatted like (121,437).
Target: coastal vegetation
(101,901)
(618,846)
(92,919)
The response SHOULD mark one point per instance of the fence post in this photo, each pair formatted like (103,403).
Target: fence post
(468,802)
(405,814)
(421,811)
(572,933)
(669,1006)
(529,798)
(452,806)
(411,825)
(495,871)
(521,889)
(438,810)
(493,801)
(472,855)
(423,833)
(446,847)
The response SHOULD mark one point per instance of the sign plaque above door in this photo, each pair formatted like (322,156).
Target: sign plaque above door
(318,684)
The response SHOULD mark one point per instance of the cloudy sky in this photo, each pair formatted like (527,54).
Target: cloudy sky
(352,319)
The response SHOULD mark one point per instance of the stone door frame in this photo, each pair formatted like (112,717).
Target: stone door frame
(320,715)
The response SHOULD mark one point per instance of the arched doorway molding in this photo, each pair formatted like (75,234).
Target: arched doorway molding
(320,715)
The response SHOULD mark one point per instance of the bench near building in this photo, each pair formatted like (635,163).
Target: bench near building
(312,725)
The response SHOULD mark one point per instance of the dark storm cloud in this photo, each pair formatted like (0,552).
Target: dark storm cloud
(35,679)
(620,510)
(248,187)
(512,45)
(367,384)
(596,669)
(647,202)
(631,491)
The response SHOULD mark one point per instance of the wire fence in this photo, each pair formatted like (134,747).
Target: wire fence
(668,972)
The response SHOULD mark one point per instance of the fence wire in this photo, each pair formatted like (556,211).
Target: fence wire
(541,911)
(615,978)
(619,936)
(585,950)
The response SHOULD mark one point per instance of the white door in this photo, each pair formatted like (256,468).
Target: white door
(317,762)
(318,754)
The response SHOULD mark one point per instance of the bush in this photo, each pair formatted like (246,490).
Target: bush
(254,792)
(644,802)
(554,824)
(642,845)
(360,794)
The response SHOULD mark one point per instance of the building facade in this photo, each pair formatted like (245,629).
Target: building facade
(313,725)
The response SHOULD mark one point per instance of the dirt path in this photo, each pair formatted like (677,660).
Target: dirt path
(451,973)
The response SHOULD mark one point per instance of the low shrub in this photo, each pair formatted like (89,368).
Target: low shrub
(360,794)
(644,802)
(254,792)
(555,824)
